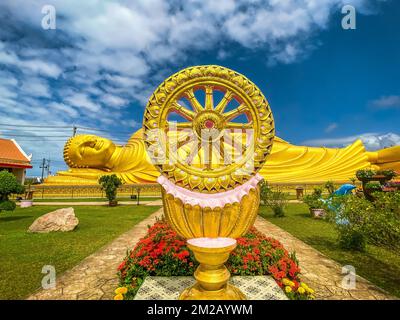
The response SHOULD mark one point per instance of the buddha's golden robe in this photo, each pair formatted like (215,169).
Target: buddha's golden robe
(287,163)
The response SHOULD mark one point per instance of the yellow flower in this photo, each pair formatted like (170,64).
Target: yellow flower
(288,289)
(119,296)
(312,297)
(301,290)
(310,291)
(287,282)
(303,285)
(121,290)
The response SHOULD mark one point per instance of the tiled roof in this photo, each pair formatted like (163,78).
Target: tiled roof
(12,154)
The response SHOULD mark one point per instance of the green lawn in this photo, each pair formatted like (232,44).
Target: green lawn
(378,265)
(22,255)
(94,199)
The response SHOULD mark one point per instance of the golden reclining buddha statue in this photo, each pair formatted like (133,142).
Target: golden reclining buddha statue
(89,157)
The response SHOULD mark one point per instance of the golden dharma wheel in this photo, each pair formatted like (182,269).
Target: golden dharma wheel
(208,129)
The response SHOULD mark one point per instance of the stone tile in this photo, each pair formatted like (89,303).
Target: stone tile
(169,288)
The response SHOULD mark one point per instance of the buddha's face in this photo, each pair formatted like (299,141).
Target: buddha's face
(89,151)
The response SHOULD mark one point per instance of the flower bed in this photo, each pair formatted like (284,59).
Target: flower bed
(162,253)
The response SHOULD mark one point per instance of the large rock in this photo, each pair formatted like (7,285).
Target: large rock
(59,220)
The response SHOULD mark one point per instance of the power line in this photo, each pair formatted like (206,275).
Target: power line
(31,136)
(32,126)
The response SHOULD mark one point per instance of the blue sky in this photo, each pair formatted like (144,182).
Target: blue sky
(326,85)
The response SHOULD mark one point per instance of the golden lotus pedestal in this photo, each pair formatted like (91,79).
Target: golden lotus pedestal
(212,276)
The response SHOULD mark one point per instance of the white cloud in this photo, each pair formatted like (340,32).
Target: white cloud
(113,101)
(36,87)
(331,127)
(386,102)
(81,100)
(372,141)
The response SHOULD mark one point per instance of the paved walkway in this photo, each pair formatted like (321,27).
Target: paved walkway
(318,271)
(95,277)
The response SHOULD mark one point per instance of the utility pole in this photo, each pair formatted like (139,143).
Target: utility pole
(48,167)
(43,166)
(74,129)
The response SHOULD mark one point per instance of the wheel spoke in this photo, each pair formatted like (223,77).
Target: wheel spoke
(209,103)
(236,125)
(235,112)
(193,101)
(181,110)
(224,102)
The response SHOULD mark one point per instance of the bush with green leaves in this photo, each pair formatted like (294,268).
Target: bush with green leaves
(265,191)
(373,186)
(8,186)
(330,187)
(360,221)
(277,201)
(314,200)
(109,184)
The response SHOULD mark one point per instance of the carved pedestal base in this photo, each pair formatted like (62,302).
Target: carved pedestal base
(212,276)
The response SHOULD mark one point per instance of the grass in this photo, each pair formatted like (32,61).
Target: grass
(95,199)
(22,255)
(378,265)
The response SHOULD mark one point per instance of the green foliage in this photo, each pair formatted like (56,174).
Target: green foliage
(314,200)
(8,186)
(277,201)
(389,174)
(110,184)
(265,191)
(330,187)
(7,205)
(365,174)
(373,186)
(369,174)
(376,222)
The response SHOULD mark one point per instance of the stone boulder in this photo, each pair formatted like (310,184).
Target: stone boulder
(59,220)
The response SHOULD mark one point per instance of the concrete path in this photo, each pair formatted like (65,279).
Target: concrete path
(318,271)
(95,277)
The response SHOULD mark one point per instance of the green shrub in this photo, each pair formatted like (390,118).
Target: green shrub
(359,221)
(314,200)
(373,186)
(7,205)
(365,174)
(265,191)
(277,201)
(351,239)
(110,184)
(8,186)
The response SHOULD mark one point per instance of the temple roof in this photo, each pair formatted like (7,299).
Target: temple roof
(12,155)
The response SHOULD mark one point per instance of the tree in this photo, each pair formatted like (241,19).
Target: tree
(8,186)
(110,184)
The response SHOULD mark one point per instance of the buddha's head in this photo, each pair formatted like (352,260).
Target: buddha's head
(88,151)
